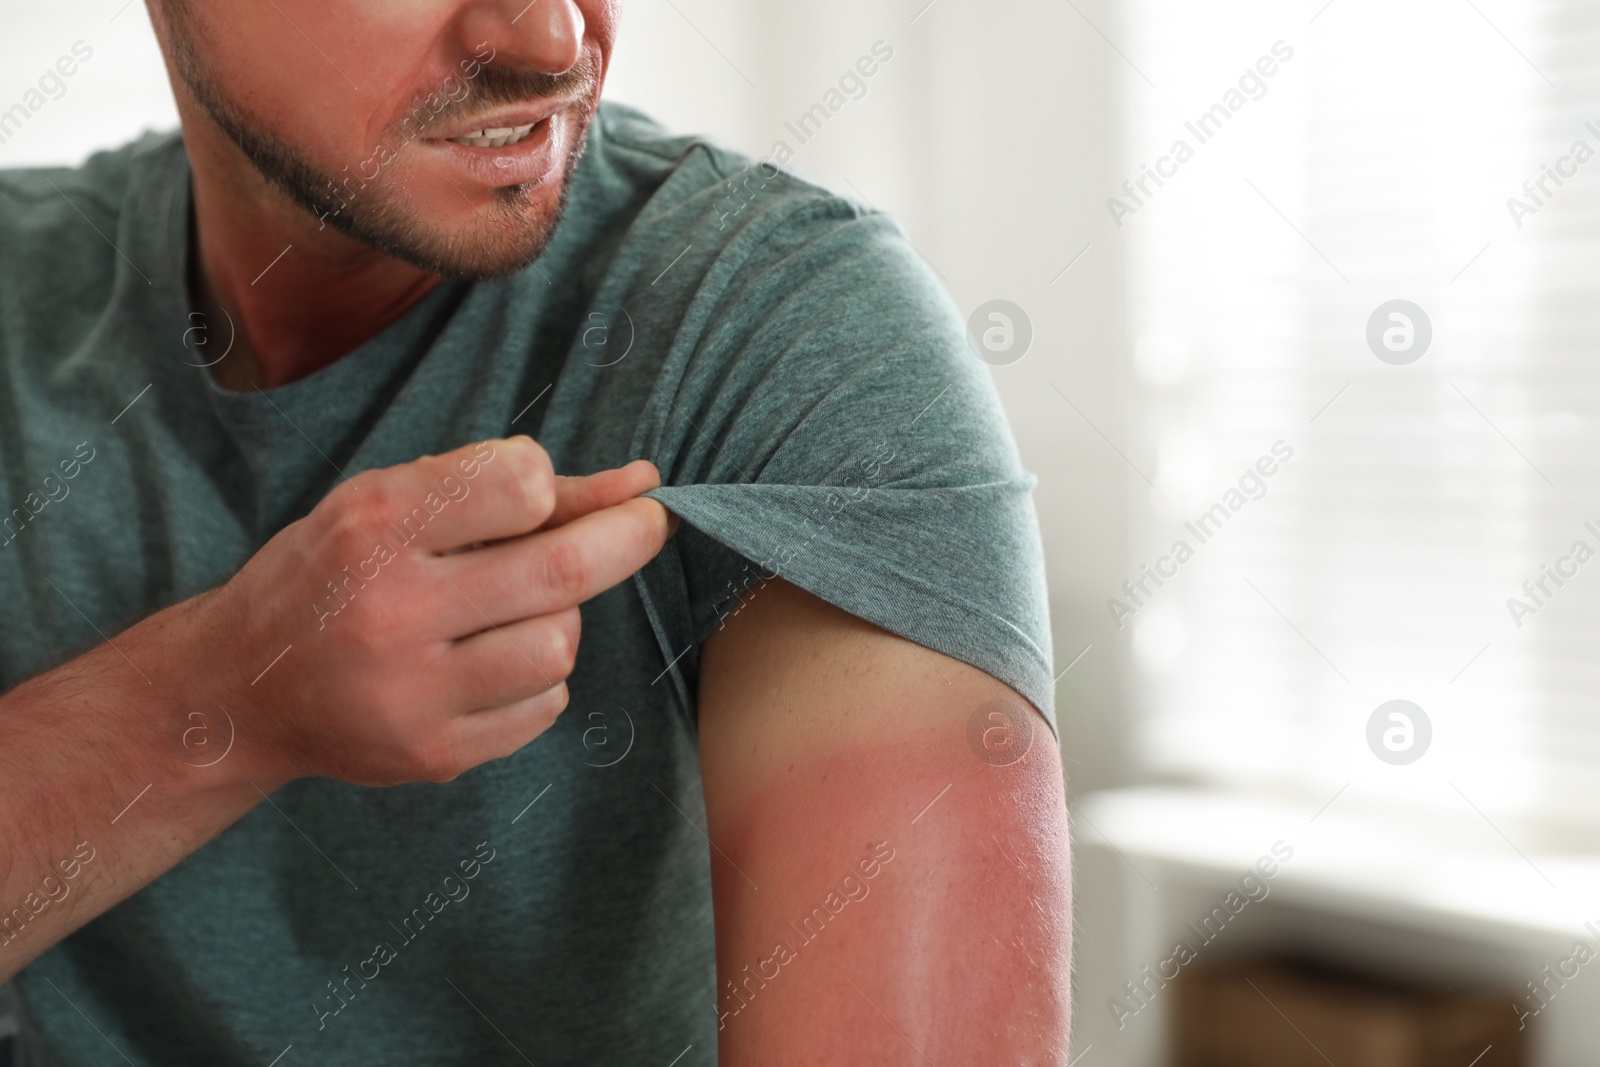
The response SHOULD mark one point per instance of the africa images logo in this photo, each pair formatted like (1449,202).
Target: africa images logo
(1399,732)
(1399,332)
(1000,732)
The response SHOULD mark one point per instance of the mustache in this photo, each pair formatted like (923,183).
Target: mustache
(460,97)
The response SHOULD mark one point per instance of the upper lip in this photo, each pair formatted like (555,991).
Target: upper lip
(513,116)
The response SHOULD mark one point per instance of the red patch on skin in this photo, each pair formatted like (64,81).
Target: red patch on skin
(961,939)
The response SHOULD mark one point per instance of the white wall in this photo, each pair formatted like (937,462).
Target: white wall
(121,90)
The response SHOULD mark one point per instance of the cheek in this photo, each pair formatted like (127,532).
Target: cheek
(603,17)
(326,75)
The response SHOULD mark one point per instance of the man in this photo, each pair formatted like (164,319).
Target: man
(345,724)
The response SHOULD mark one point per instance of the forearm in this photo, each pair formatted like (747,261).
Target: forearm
(101,791)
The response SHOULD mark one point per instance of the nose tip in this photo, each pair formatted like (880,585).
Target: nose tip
(545,35)
(548,35)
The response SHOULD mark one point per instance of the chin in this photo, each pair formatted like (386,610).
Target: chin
(474,230)
(500,239)
(498,233)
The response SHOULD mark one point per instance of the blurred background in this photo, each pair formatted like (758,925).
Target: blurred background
(1299,342)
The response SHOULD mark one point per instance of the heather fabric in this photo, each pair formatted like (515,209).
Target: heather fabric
(781,354)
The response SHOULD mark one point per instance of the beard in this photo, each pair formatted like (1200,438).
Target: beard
(504,237)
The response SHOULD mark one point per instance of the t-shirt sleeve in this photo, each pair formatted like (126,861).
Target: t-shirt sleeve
(829,424)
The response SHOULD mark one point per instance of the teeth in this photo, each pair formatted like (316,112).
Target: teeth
(495,136)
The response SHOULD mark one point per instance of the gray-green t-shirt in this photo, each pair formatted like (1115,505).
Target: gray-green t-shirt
(781,354)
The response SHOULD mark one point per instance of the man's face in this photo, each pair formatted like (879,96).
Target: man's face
(365,112)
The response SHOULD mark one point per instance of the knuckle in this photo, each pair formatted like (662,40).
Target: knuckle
(534,476)
(355,509)
(562,648)
(370,491)
(563,570)
(530,450)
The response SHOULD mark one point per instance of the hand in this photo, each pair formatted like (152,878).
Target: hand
(429,611)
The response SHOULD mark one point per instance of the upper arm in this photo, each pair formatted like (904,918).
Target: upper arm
(841,786)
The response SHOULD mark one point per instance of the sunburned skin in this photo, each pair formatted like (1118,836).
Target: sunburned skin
(822,738)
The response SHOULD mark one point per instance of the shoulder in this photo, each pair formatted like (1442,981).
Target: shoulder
(730,205)
(764,290)
(67,234)
(64,230)
(44,200)
(742,261)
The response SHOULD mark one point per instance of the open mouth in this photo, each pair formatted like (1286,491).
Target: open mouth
(496,136)
(525,147)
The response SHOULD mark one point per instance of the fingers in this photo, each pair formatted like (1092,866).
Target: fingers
(510,663)
(576,497)
(495,490)
(552,570)
(494,734)
(481,492)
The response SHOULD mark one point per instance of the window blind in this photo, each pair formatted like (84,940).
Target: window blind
(1438,154)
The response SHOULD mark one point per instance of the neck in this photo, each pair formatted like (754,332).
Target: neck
(300,293)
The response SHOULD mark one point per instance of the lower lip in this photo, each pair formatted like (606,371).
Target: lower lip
(530,161)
